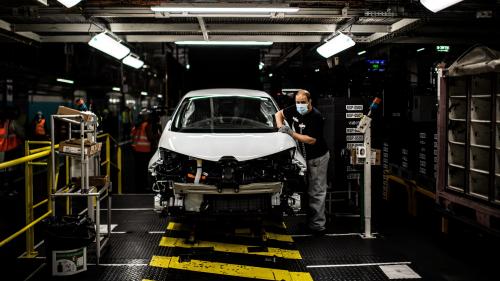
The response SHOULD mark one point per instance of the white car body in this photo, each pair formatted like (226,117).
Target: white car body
(223,152)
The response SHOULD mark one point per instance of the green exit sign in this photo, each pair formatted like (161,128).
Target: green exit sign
(444,49)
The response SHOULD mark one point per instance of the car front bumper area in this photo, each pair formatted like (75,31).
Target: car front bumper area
(253,188)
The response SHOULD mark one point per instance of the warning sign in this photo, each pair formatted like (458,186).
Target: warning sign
(354,145)
(354,138)
(351,131)
(354,107)
(353,115)
(353,123)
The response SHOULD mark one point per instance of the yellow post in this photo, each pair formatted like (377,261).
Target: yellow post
(28,190)
(119,164)
(69,208)
(108,157)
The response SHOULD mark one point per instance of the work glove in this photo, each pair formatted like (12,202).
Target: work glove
(286,130)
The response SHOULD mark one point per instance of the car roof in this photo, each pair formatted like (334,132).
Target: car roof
(226,92)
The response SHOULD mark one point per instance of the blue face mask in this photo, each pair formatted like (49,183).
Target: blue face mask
(301,108)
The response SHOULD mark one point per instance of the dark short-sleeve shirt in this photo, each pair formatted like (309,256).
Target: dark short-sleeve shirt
(310,124)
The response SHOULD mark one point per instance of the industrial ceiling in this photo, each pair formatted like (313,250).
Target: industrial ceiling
(368,22)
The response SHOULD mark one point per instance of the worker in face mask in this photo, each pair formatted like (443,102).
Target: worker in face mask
(305,125)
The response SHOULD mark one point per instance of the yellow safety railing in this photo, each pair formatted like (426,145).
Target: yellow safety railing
(108,163)
(29,161)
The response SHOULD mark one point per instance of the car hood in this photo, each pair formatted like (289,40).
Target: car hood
(211,146)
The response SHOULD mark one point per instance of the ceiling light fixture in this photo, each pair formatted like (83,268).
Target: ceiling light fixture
(110,44)
(361,53)
(69,3)
(144,93)
(116,89)
(65,81)
(436,6)
(335,45)
(224,10)
(235,43)
(133,60)
(420,50)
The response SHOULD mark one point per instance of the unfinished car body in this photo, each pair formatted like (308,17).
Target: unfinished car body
(221,153)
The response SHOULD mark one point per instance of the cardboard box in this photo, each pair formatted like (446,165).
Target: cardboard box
(74,147)
(97,181)
(63,110)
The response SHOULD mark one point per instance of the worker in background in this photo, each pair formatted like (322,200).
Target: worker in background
(11,136)
(39,127)
(144,142)
(80,104)
(306,127)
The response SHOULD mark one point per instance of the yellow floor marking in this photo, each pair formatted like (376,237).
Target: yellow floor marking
(279,237)
(176,226)
(230,269)
(269,235)
(230,248)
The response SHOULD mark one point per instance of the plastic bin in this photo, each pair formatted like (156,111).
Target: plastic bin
(66,240)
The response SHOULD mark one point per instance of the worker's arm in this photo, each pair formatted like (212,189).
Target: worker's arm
(280,118)
(303,138)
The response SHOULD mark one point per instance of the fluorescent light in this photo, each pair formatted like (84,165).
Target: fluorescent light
(144,93)
(420,50)
(188,66)
(336,45)
(145,66)
(69,3)
(116,89)
(107,43)
(133,61)
(361,53)
(65,81)
(258,43)
(436,6)
(316,70)
(160,96)
(270,75)
(222,10)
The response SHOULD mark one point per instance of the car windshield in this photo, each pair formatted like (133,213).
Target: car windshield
(232,114)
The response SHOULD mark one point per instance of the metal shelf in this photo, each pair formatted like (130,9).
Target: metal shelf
(87,130)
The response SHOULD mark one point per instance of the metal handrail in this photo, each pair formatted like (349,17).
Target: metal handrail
(109,163)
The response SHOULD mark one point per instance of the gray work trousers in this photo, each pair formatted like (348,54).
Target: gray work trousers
(317,174)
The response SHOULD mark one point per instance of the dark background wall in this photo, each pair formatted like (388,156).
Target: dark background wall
(226,67)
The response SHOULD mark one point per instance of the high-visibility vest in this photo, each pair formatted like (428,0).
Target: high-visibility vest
(140,142)
(8,139)
(40,127)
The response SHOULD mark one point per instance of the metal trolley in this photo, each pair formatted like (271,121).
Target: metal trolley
(94,195)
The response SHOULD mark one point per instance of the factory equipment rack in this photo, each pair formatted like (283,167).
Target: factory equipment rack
(468,183)
(87,127)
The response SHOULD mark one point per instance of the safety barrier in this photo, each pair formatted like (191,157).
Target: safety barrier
(412,188)
(33,158)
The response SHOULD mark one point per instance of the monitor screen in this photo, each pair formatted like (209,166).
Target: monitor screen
(376,65)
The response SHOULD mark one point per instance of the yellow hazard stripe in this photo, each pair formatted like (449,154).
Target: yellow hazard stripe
(230,248)
(229,269)
(279,237)
(268,235)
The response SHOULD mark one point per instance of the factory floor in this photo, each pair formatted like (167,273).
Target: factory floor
(146,246)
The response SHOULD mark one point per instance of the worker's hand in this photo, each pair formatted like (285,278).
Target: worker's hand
(286,130)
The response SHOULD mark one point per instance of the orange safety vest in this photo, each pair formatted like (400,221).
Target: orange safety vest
(40,128)
(140,142)
(8,139)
